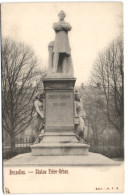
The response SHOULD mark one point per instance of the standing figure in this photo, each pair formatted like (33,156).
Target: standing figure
(61,49)
(80,129)
(38,116)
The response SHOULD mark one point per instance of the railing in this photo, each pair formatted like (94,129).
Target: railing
(22,145)
(107,148)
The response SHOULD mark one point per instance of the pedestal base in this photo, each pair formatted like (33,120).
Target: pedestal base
(59,138)
(59,149)
(59,143)
(92,159)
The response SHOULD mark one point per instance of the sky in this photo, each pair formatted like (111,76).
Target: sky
(94,26)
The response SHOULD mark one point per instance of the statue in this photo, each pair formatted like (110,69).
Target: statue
(60,60)
(38,116)
(80,129)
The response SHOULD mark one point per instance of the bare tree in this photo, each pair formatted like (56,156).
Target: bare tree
(108,73)
(94,106)
(19,79)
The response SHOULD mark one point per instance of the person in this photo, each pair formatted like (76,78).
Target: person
(61,49)
(80,129)
(38,116)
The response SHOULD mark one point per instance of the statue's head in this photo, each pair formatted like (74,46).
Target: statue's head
(40,96)
(61,15)
(50,46)
(77,95)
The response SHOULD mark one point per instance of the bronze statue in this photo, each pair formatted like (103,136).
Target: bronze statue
(59,51)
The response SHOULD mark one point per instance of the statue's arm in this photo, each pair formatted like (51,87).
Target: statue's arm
(66,26)
(75,108)
(37,109)
(57,27)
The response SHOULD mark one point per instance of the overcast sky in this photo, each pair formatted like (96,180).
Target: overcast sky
(94,26)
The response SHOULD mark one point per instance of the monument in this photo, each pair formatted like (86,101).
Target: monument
(59,137)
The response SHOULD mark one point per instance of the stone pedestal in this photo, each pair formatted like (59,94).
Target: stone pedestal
(59,137)
(59,113)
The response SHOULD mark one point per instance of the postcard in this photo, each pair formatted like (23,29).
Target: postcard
(62,97)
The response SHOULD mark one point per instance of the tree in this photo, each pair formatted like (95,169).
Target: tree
(108,73)
(19,78)
(94,106)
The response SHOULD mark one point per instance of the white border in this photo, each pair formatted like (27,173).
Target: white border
(126,82)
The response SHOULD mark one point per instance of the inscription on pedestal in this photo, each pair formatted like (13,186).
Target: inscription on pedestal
(59,108)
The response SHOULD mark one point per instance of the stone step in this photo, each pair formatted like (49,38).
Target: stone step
(52,149)
(60,133)
(59,138)
(92,159)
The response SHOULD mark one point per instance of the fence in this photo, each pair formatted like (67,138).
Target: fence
(21,146)
(106,148)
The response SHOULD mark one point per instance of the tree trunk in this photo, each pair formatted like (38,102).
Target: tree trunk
(95,139)
(12,143)
(122,131)
(122,139)
(121,145)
